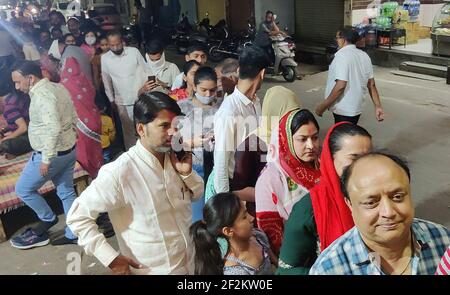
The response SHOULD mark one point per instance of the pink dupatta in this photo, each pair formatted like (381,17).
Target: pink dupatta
(89,147)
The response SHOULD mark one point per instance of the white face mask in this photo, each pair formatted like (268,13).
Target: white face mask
(90,40)
(205,99)
(156,66)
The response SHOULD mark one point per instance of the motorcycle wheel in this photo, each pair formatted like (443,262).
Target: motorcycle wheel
(214,55)
(289,73)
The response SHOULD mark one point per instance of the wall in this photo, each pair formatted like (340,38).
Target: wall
(364,8)
(284,9)
(189,6)
(215,8)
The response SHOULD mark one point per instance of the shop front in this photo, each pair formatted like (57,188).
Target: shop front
(411,25)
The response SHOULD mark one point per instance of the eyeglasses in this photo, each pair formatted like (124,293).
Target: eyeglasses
(338,37)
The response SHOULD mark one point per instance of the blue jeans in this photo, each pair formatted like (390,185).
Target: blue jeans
(197,206)
(60,173)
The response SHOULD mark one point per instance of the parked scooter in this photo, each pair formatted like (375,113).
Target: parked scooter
(284,63)
(219,49)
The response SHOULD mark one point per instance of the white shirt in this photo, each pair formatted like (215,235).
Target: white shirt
(150,209)
(167,75)
(30,51)
(120,75)
(236,118)
(354,66)
(178,82)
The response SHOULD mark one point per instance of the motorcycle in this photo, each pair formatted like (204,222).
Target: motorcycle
(132,34)
(180,38)
(284,50)
(218,31)
(233,46)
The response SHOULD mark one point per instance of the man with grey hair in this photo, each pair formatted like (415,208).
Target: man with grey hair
(227,76)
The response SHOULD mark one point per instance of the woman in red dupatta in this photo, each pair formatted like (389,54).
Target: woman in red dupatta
(291,172)
(322,216)
(89,148)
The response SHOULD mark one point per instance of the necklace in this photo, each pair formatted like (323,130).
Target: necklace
(409,262)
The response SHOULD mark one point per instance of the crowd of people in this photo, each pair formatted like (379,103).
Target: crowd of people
(206,179)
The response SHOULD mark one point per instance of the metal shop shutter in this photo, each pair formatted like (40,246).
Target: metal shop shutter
(316,21)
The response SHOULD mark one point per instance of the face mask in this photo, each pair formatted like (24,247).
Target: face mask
(117,52)
(156,66)
(90,40)
(205,99)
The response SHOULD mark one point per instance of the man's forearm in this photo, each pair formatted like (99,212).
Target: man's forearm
(15,133)
(373,91)
(335,94)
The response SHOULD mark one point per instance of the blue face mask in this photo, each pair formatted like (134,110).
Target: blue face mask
(205,99)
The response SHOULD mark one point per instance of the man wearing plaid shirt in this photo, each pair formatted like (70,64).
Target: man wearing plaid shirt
(387,239)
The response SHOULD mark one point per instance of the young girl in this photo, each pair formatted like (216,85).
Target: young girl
(225,216)
(90,44)
(200,110)
(187,90)
(96,62)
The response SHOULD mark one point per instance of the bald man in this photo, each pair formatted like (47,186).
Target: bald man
(386,239)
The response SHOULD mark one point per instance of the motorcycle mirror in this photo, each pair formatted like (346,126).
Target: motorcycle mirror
(207,14)
(286,29)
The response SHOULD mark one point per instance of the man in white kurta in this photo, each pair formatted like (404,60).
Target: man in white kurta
(147,192)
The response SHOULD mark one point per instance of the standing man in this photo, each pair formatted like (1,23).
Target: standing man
(386,239)
(349,78)
(120,67)
(73,24)
(52,134)
(147,193)
(238,115)
(165,71)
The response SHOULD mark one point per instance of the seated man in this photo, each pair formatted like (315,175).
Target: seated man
(387,239)
(14,108)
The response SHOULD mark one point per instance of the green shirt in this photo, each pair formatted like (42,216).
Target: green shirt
(300,243)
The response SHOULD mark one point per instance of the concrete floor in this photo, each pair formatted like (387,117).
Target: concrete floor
(417,127)
(422,46)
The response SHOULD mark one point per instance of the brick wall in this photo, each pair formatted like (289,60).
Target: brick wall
(362,4)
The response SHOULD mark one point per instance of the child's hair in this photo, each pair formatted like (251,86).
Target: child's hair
(220,211)
(186,68)
(205,74)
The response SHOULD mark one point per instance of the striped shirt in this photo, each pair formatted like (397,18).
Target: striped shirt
(16,107)
(444,266)
(348,255)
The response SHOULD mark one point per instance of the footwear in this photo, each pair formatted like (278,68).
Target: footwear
(30,239)
(64,241)
(44,226)
(24,235)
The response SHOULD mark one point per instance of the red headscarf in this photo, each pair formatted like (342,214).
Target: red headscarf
(333,217)
(291,164)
